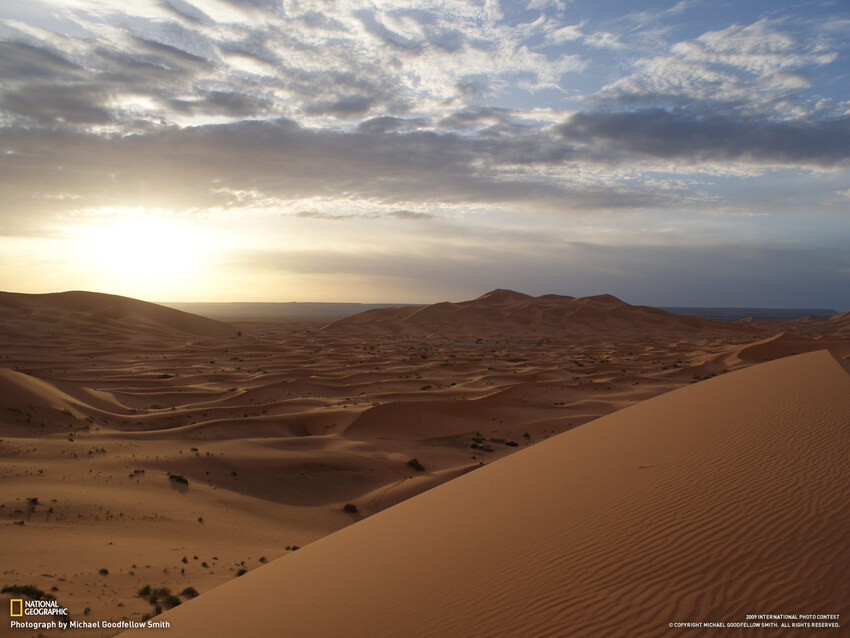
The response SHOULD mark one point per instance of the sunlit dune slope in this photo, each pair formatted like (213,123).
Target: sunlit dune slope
(48,313)
(508,313)
(718,500)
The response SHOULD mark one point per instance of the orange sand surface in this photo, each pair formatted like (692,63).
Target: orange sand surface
(706,504)
(277,426)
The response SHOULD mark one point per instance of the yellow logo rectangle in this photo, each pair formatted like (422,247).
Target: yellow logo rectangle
(16,603)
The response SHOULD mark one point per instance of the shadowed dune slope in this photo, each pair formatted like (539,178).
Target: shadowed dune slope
(720,499)
(82,310)
(505,312)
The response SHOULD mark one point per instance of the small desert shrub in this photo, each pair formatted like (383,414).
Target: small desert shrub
(103,571)
(145,591)
(350,508)
(416,465)
(159,594)
(242,572)
(189,592)
(171,601)
(166,376)
(178,478)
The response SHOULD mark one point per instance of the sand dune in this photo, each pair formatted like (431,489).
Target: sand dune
(718,500)
(784,344)
(82,309)
(279,428)
(508,313)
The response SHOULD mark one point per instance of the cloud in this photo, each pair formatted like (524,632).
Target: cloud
(21,61)
(757,67)
(187,10)
(386,124)
(319,63)
(200,167)
(697,137)
(407,215)
(235,105)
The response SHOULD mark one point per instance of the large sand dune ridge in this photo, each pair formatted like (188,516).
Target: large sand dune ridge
(706,504)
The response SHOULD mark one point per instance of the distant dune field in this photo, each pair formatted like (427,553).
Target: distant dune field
(146,447)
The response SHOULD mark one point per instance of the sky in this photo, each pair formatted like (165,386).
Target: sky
(689,153)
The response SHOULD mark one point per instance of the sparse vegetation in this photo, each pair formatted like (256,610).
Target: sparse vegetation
(350,508)
(189,592)
(159,594)
(416,465)
(178,478)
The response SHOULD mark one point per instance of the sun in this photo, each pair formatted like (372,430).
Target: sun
(137,252)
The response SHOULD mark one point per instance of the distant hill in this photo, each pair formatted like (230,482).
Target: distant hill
(506,312)
(46,313)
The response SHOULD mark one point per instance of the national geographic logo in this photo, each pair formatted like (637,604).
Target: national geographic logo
(20,607)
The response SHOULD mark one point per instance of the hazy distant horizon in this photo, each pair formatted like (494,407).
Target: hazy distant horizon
(221,310)
(837,308)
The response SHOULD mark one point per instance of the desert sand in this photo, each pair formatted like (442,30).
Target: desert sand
(144,446)
(707,504)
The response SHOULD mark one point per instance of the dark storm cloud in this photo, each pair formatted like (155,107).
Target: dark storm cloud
(693,137)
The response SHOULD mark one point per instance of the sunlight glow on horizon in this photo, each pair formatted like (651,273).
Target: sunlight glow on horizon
(152,253)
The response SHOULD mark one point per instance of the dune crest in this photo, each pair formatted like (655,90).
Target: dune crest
(80,309)
(501,313)
(706,504)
